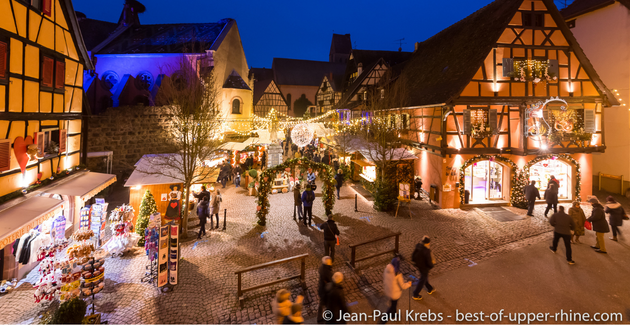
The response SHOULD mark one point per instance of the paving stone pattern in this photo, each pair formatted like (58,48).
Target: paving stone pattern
(207,289)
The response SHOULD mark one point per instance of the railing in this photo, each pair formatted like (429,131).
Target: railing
(620,178)
(353,254)
(300,276)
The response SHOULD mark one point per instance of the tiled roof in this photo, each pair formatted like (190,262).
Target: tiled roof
(580,7)
(94,31)
(165,38)
(303,72)
(235,81)
(261,73)
(259,88)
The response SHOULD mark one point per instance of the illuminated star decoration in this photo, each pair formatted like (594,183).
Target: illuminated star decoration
(302,135)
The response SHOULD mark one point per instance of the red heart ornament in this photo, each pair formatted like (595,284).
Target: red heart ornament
(173,205)
(19,150)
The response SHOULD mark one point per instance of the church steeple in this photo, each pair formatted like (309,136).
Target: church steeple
(129,14)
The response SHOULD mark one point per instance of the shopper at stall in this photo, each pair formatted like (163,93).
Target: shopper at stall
(203,212)
(215,203)
(615,216)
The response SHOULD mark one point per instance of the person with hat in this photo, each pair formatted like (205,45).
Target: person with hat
(424,262)
(325,277)
(562,225)
(615,216)
(600,226)
(336,300)
(330,236)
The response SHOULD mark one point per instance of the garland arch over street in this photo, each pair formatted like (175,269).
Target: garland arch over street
(325,172)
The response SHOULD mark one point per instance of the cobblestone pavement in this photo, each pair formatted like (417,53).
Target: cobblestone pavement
(207,287)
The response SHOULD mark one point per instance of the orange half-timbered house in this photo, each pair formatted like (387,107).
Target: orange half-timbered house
(505,90)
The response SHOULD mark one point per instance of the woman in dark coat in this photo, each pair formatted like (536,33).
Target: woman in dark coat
(600,226)
(551,197)
(615,216)
(339,179)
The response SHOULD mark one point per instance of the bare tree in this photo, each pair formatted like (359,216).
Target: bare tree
(191,96)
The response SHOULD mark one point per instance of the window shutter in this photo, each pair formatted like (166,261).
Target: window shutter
(5,155)
(467,125)
(63,140)
(47,72)
(39,140)
(46,7)
(60,76)
(508,66)
(553,69)
(589,121)
(3,60)
(493,121)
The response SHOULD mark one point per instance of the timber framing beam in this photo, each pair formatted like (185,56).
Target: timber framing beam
(10,116)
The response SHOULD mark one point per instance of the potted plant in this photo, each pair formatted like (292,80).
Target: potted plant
(251,188)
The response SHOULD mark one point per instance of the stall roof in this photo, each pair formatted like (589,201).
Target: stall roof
(19,219)
(362,163)
(396,154)
(151,170)
(84,186)
(240,146)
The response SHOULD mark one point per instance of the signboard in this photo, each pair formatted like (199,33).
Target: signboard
(173,261)
(404,192)
(163,257)
(59,225)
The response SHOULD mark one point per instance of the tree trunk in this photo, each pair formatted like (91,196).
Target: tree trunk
(184,223)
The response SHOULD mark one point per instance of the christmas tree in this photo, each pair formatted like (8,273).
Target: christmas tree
(147,208)
(519,181)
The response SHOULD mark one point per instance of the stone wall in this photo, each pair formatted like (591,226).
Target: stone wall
(130,132)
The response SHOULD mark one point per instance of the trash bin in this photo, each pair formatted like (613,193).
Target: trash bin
(466,196)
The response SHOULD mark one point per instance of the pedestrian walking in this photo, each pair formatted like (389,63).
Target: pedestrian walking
(225,173)
(336,300)
(393,286)
(204,193)
(330,236)
(616,214)
(296,312)
(215,203)
(339,179)
(281,305)
(531,194)
(551,197)
(600,226)
(562,225)
(325,277)
(307,199)
(423,260)
(297,200)
(578,216)
(203,212)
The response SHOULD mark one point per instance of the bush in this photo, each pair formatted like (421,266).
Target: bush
(70,312)
(253,173)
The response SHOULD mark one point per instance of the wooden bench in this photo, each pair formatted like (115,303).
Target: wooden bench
(300,276)
(353,254)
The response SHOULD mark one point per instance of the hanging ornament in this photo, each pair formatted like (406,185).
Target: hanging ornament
(302,135)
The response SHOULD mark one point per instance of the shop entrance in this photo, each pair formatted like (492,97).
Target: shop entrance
(542,171)
(484,181)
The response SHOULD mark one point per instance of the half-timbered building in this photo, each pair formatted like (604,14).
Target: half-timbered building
(267,95)
(42,58)
(329,93)
(504,91)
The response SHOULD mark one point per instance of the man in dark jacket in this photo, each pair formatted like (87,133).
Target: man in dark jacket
(339,179)
(330,240)
(600,226)
(562,225)
(531,194)
(424,262)
(203,212)
(551,197)
(297,200)
(336,300)
(204,193)
(325,277)
(615,216)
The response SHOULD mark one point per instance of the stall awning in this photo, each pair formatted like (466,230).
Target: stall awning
(240,146)
(362,163)
(19,219)
(84,186)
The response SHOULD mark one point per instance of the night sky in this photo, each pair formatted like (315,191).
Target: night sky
(303,29)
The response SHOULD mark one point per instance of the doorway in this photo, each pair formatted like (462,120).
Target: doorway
(484,181)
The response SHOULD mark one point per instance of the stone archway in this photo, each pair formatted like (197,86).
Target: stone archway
(266,179)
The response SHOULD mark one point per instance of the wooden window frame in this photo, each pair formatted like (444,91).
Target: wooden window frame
(44,85)
(5,161)
(46,7)
(60,75)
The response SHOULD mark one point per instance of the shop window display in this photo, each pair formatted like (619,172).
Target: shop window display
(542,172)
(484,181)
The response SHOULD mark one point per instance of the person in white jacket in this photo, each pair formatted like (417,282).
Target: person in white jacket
(393,286)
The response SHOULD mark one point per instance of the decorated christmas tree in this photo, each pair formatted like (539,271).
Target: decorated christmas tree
(519,181)
(147,208)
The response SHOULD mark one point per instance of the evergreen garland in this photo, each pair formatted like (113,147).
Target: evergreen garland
(268,175)
(147,208)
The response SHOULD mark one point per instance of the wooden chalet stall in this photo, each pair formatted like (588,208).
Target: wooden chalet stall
(506,90)
(144,178)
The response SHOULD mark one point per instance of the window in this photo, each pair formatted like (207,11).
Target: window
(4,71)
(48,65)
(5,155)
(531,19)
(236,106)
(48,141)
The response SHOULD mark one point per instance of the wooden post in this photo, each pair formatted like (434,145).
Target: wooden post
(224,218)
(355,203)
(294,211)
